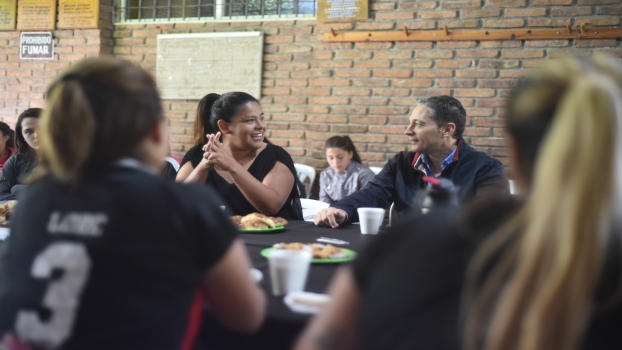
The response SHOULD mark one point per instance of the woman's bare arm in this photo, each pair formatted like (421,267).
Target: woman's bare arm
(337,326)
(189,174)
(267,196)
(237,301)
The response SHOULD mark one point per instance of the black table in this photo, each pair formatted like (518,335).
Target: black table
(282,326)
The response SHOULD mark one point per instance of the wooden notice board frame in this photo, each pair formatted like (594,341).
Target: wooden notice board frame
(342,10)
(188,66)
(36,14)
(78,14)
(480,34)
(8,13)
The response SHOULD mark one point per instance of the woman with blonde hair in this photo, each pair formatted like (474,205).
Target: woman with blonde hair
(103,253)
(544,274)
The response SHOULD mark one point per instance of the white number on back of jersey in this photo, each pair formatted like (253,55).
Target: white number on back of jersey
(61,297)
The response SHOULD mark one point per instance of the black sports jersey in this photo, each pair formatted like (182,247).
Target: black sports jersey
(113,261)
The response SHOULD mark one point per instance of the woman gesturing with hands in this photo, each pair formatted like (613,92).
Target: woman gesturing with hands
(231,155)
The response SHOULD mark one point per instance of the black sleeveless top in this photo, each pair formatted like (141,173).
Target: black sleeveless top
(263,164)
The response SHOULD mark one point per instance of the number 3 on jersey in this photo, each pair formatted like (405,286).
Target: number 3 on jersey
(61,297)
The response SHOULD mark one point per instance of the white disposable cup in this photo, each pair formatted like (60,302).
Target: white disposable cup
(288,270)
(370,219)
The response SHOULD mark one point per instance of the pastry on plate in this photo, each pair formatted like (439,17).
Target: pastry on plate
(320,251)
(258,221)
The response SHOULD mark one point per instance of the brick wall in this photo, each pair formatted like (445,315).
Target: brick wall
(313,90)
(23,82)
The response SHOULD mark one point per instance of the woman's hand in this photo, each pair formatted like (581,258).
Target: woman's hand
(206,164)
(221,157)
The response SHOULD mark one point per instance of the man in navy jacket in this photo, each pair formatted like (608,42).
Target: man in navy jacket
(438,149)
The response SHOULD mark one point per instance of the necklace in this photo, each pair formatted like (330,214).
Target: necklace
(244,159)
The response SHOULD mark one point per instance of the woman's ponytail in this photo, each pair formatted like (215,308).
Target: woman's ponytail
(98,112)
(70,129)
(202,125)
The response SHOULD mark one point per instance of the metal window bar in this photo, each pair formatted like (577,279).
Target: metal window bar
(216,9)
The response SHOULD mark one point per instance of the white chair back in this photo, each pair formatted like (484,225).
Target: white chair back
(310,207)
(513,189)
(392,214)
(375,169)
(173,162)
(306,172)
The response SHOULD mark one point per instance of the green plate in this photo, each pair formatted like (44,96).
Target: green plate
(261,230)
(350,257)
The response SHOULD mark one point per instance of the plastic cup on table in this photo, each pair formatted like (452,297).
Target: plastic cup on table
(288,270)
(370,219)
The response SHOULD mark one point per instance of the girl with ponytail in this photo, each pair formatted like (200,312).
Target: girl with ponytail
(538,272)
(232,155)
(115,256)
(345,174)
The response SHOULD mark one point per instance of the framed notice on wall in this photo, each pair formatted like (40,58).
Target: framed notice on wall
(342,9)
(78,14)
(36,14)
(7,14)
(189,66)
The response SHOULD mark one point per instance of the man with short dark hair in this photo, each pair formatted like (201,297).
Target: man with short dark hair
(435,130)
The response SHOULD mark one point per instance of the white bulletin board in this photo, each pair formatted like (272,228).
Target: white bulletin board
(189,66)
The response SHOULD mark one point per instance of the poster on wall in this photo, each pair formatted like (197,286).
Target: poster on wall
(188,65)
(36,46)
(78,14)
(36,14)
(342,9)
(7,14)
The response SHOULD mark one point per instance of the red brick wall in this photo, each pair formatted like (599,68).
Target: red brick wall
(23,82)
(313,90)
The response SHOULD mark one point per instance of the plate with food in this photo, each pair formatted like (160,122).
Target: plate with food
(259,223)
(6,210)
(322,253)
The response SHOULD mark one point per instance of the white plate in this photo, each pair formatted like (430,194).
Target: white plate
(256,275)
(306,302)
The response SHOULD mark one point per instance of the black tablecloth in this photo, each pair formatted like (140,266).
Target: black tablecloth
(282,326)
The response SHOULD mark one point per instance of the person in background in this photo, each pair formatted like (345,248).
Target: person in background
(103,253)
(7,142)
(170,167)
(252,175)
(25,161)
(543,273)
(346,174)
(435,132)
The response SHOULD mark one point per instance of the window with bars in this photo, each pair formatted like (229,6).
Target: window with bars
(154,10)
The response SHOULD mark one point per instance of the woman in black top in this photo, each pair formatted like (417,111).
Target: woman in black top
(25,161)
(538,276)
(252,175)
(103,253)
